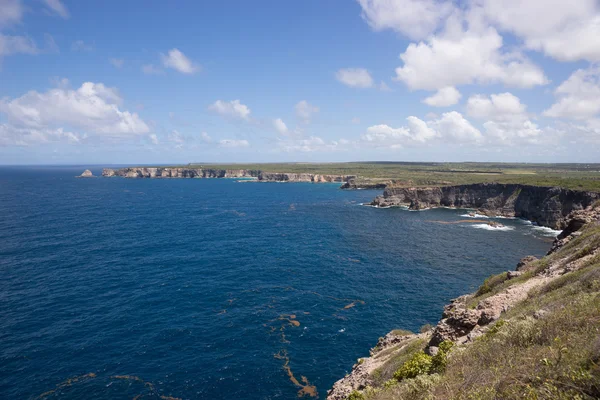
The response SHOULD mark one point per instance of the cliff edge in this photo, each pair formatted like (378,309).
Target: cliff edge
(546,206)
(531,333)
(167,172)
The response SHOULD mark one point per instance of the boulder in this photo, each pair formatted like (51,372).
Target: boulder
(525,261)
(87,174)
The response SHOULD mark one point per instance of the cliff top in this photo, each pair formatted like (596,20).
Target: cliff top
(572,176)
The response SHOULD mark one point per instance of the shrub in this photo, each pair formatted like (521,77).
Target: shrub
(425,328)
(356,395)
(419,364)
(440,360)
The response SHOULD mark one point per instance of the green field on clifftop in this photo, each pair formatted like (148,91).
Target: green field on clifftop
(572,176)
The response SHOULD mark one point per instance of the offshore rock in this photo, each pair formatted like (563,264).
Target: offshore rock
(86,174)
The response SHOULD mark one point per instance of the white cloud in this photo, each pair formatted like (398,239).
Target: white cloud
(514,132)
(460,57)
(232,143)
(507,122)
(305,110)
(205,137)
(80,45)
(150,69)
(565,30)
(578,96)
(17,44)
(154,138)
(451,127)
(93,108)
(355,77)
(384,87)
(501,106)
(11,12)
(310,144)
(280,126)
(117,62)
(57,7)
(176,137)
(415,19)
(444,97)
(178,61)
(233,109)
(15,136)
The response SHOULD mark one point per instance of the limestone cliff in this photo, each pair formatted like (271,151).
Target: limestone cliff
(547,206)
(160,172)
(164,172)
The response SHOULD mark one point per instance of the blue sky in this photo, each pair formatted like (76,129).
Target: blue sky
(241,81)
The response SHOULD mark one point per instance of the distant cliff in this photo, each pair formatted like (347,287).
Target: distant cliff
(143,172)
(547,206)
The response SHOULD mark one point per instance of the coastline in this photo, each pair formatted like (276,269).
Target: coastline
(471,319)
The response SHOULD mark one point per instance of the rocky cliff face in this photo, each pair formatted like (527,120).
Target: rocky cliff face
(472,316)
(221,173)
(292,177)
(179,173)
(547,206)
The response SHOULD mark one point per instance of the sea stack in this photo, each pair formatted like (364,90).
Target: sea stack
(86,174)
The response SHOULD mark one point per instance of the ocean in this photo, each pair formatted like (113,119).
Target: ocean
(114,288)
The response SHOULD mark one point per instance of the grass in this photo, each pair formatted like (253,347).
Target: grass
(545,347)
(573,176)
(386,371)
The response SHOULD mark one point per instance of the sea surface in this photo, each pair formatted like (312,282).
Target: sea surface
(113,288)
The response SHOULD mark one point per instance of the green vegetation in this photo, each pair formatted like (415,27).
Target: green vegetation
(422,364)
(573,176)
(490,283)
(545,347)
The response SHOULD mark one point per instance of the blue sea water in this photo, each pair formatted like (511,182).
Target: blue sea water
(214,289)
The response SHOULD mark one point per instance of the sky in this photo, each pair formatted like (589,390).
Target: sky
(155,82)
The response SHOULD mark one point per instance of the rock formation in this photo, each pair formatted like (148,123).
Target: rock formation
(86,174)
(148,172)
(547,206)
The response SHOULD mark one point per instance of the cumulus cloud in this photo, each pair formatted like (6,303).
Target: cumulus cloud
(415,19)
(18,136)
(496,106)
(176,60)
(355,77)
(154,138)
(444,97)
(232,109)
(56,7)
(11,12)
(280,126)
(506,119)
(305,110)
(460,57)
(233,143)
(92,108)
(567,31)
(578,96)
(451,127)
